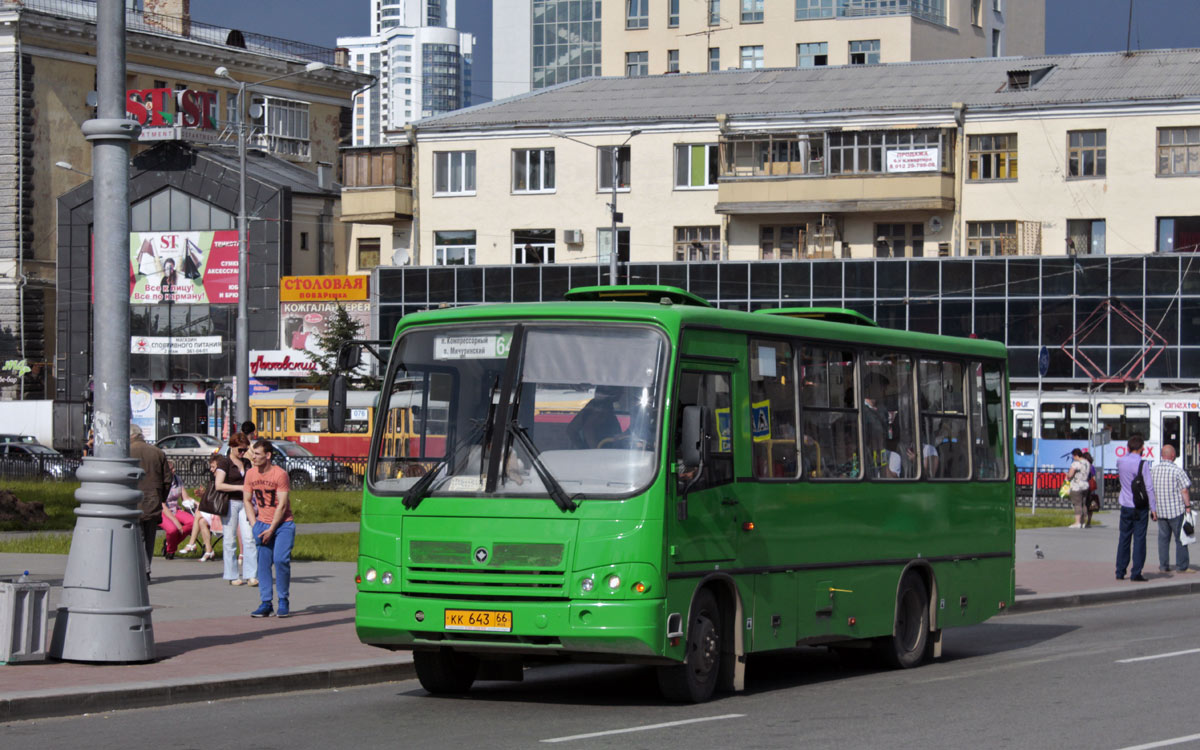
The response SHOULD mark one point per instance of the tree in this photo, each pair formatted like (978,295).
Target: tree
(340,328)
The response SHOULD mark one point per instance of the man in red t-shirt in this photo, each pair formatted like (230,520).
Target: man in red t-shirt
(265,494)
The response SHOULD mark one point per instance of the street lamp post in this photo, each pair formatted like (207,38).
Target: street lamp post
(612,207)
(242,331)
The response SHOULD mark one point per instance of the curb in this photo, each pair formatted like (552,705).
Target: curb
(98,699)
(1105,596)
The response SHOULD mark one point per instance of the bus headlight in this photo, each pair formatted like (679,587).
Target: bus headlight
(587,584)
(386,578)
(614,581)
(371,575)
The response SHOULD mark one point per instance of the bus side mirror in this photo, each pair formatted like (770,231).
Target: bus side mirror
(349,357)
(337,403)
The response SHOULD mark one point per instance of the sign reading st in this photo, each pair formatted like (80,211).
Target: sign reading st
(152,108)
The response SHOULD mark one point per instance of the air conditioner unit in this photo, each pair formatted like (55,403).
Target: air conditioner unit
(573,236)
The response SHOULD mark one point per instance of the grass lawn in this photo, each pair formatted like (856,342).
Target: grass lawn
(58,499)
(1049,518)
(309,547)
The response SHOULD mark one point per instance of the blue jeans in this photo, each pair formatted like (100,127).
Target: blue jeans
(1133,528)
(275,551)
(1168,529)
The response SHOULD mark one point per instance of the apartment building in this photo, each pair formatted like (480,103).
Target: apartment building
(648,37)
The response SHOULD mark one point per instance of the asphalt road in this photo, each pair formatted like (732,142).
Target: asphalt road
(1059,679)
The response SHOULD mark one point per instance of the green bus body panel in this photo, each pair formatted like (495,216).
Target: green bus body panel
(822,561)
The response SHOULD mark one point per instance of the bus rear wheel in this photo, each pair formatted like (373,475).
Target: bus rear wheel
(907,646)
(445,672)
(694,680)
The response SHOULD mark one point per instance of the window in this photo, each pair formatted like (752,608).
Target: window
(868,151)
(304,240)
(1085,237)
(899,240)
(1178,234)
(368,252)
(637,64)
(779,154)
(977,12)
(714,59)
(672,61)
(454,248)
(604,158)
(604,243)
(942,401)
(672,14)
(780,243)
(829,416)
(991,238)
(1178,151)
(888,416)
(806,9)
(637,14)
(995,42)
(173,210)
(712,392)
(996,6)
(714,12)
(752,11)
(812,54)
(987,421)
(1123,420)
(773,413)
(992,157)
(533,246)
(696,165)
(1086,153)
(1066,421)
(752,56)
(533,170)
(698,243)
(310,419)
(284,126)
(865,52)
(454,173)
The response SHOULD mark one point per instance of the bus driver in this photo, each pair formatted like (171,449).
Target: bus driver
(597,420)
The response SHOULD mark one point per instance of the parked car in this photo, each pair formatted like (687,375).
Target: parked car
(189,444)
(34,461)
(10,437)
(304,468)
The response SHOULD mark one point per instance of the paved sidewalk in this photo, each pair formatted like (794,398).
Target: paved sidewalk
(207,646)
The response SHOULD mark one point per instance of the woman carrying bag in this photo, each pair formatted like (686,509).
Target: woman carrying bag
(1077,475)
(231,472)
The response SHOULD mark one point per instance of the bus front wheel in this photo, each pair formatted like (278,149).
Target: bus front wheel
(694,680)
(906,647)
(445,671)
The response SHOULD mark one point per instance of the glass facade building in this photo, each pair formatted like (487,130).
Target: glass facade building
(566,41)
(1025,302)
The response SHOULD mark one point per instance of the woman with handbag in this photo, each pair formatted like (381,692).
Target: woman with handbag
(1077,475)
(230,474)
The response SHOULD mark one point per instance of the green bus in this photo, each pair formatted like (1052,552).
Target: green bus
(632,475)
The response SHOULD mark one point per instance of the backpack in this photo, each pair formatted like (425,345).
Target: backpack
(1141,500)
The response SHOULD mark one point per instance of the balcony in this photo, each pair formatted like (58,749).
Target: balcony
(377,184)
(837,172)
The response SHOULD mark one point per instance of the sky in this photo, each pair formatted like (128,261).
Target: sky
(1071,25)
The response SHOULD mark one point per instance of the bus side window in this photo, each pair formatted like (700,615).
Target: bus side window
(773,411)
(829,412)
(712,392)
(944,416)
(990,455)
(889,419)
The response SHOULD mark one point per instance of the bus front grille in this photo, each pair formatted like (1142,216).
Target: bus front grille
(484,581)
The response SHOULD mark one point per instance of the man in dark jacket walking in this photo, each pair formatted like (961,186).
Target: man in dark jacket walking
(155,484)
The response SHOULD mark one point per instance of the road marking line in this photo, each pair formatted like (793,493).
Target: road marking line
(1159,656)
(1164,743)
(644,728)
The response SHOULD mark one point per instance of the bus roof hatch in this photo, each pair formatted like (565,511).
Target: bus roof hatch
(636,293)
(832,314)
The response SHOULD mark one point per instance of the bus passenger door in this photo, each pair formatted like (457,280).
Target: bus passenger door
(703,514)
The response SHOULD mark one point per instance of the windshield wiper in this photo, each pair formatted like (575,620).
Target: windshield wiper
(552,485)
(421,489)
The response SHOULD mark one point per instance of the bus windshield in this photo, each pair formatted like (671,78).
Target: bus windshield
(574,411)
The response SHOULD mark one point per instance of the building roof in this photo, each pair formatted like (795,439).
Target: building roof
(983,83)
(272,170)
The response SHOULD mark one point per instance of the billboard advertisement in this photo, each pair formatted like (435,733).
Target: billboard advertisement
(188,268)
(303,323)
